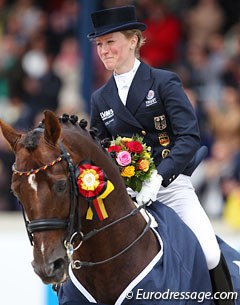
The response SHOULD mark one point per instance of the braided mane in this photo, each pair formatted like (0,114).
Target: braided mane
(73,119)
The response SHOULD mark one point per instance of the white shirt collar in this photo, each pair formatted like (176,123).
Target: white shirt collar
(123,81)
(128,76)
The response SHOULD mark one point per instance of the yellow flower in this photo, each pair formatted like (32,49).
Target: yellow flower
(147,155)
(125,140)
(128,171)
(143,165)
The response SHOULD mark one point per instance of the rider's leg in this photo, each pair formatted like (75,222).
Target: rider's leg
(180,196)
(221,280)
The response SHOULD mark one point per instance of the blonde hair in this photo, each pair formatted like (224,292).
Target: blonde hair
(141,40)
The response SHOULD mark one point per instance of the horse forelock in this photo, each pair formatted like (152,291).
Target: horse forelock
(32,138)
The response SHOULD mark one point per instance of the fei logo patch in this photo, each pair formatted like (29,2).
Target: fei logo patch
(150,95)
(105,115)
(150,98)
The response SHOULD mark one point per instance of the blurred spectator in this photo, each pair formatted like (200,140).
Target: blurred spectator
(67,66)
(3,16)
(203,120)
(63,22)
(207,178)
(27,15)
(12,48)
(194,69)
(225,119)
(231,212)
(231,9)
(41,84)
(219,175)
(217,61)
(203,20)
(202,69)
(163,34)
(231,75)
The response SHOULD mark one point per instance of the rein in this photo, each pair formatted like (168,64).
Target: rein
(38,225)
(77,264)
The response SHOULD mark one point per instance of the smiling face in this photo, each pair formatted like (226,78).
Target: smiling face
(116,51)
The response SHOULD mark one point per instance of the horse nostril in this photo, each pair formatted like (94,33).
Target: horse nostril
(53,271)
(59,264)
(55,268)
(59,270)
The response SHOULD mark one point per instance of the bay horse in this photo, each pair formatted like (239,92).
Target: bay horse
(93,259)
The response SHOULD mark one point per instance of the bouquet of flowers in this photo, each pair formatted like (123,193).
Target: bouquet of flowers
(134,160)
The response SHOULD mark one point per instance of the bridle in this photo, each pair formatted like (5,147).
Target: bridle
(45,224)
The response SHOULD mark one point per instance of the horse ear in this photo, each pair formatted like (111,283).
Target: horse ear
(52,128)
(10,134)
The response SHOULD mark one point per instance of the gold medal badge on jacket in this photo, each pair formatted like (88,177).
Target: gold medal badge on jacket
(164,139)
(165,152)
(160,122)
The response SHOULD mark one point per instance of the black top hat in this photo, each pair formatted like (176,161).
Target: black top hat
(115,19)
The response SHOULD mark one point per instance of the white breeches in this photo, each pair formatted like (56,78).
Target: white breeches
(181,197)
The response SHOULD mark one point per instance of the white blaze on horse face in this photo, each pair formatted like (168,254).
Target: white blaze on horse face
(32,182)
(43,251)
(42,248)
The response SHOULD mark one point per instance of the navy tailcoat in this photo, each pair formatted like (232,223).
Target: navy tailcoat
(157,109)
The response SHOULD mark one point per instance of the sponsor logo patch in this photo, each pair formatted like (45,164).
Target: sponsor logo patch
(105,115)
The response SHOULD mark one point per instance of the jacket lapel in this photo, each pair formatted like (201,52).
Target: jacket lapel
(110,95)
(137,93)
(139,88)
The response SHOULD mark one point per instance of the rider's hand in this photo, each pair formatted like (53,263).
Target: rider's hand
(150,189)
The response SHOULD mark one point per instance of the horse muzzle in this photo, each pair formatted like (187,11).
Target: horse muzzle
(51,272)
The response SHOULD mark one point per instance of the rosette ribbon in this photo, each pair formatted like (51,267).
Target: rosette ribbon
(94,186)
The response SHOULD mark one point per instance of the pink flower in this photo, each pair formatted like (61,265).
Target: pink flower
(124,158)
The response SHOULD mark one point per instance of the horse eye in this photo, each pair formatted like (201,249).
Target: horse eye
(60,186)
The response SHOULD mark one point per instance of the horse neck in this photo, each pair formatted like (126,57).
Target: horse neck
(100,280)
(118,201)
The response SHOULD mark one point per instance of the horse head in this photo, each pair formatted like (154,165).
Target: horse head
(43,181)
